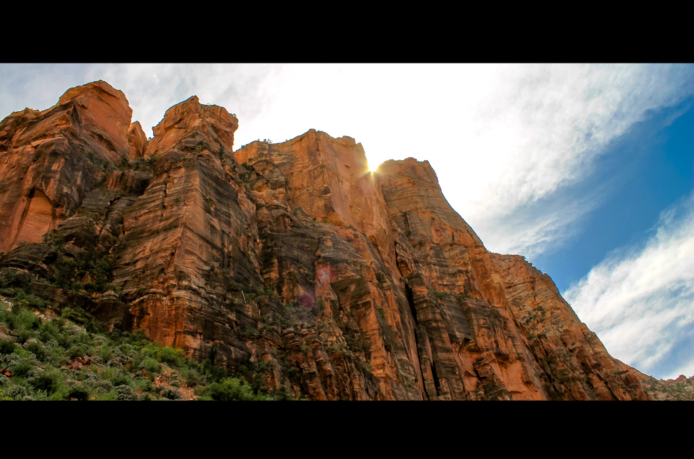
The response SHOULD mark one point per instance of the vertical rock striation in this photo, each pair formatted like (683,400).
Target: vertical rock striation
(292,262)
(190,233)
(575,364)
(50,159)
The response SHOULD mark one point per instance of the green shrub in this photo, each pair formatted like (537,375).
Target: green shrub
(150,365)
(76,351)
(126,349)
(212,372)
(125,393)
(53,330)
(106,396)
(29,299)
(170,393)
(193,378)
(231,389)
(365,366)
(121,379)
(264,366)
(83,338)
(171,356)
(106,353)
(250,332)
(25,319)
(60,341)
(282,394)
(57,355)
(17,392)
(143,384)
(24,335)
(335,347)
(8,361)
(98,384)
(22,369)
(99,340)
(76,315)
(22,353)
(6,347)
(48,381)
(37,350)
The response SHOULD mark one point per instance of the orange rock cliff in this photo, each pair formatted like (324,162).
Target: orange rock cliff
(292,260)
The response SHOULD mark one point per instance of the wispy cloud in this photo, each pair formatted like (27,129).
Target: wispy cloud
(539,132)
(503,139)
(542,226)
(640,300)
(151,89)
(36,86)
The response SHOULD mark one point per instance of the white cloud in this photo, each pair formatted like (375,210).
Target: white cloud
(543,226)
(152,88)
(539,132)
(640,300)
(503,139)
(37,86)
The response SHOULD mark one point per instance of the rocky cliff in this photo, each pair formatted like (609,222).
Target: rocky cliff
(291,262)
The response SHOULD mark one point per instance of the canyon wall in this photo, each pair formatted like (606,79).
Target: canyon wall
(291,262)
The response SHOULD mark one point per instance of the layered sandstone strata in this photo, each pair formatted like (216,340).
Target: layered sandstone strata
(50,159)
(291,262)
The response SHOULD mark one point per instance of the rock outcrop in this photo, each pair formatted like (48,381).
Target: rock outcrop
(290,262)
(190,233)
(575,364)
(50,159)
(681,388)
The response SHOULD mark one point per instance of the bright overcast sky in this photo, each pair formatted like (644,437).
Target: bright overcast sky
(534,157)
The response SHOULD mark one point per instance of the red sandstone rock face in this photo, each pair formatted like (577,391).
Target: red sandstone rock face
(330,180)
(50,159)
(471,348)
(292,260)
(681,388)
(189,226)
(327,240)
(575,365)
(137,141)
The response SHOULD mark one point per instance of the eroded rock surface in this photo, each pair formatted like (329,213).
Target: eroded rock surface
(575,364)
(291,263)
(50,159)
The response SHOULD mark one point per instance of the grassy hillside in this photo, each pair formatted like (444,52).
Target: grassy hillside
(44,356)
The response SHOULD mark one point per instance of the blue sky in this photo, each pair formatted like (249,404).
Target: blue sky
(648,170)
(587,170)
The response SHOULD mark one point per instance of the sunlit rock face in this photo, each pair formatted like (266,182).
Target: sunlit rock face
(575,365)
(290,263)
(50,159)
(189,233)
(137,141)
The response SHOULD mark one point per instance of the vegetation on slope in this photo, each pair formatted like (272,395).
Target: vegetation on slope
(681,388)
(48,357)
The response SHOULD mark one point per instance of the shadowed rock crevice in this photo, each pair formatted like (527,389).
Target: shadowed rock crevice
(296,266)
